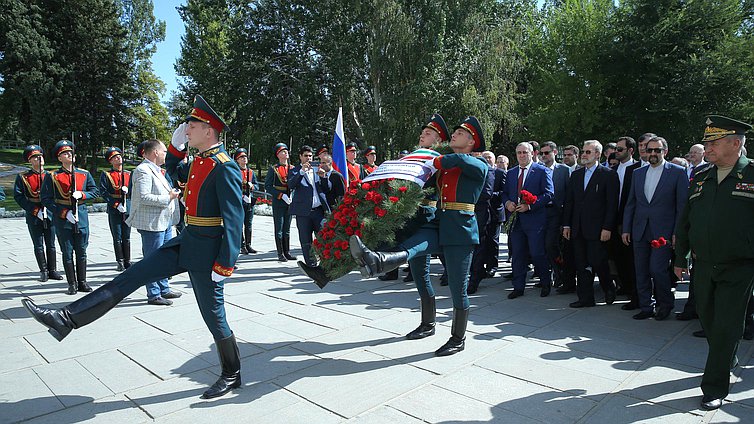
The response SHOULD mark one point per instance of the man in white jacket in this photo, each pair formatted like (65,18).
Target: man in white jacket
(154,211)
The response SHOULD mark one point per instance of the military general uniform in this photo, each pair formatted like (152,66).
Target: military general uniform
(207,249)
(70,215)
(27,192)
(113,185)
(276,184)
(716,227)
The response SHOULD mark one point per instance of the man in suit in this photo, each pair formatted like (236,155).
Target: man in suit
(571,157)
(623,255)
(497,217)
(154,211)
(658,196)
(527,236)
(554,212)
(309,203)
(208,247)
(589,219)
(336,184)
(696,159)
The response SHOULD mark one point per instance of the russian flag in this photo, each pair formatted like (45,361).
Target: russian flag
(339,148)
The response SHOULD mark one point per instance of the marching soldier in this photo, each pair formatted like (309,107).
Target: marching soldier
(276,184)
(113,185)
(64,194)
(207,249)
(355,171)
(716,228)
(248,185)
(371,154)
(27,193)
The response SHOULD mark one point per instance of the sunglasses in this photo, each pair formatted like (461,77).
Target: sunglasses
(543,153)
(620,149)
(654,150)
(586,152)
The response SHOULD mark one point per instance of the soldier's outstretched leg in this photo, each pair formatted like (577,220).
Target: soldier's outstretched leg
(373,263)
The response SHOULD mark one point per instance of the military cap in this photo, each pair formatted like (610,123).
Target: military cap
(112,152)
(721,126)
(471,124)
(437,123)
(369,150)
(278,147)
(63,146)
(240,152)
(203,112)
(323,148)
(32,150)
(351,146)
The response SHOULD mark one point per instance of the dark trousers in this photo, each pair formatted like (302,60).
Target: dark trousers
(528,244)
(492,245)
(623,256)
(653,275)
(41,236)
(553,242)
(591,253)
(248,216)
(118,227)
(307,226)
(281,219)
(71,241)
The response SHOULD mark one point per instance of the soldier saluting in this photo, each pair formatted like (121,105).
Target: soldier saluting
(114,185)
(28,194)
(207,248)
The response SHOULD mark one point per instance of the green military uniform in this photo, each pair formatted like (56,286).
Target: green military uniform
(276,184)
(716,228)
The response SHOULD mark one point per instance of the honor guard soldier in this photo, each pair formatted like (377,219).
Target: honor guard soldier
(248,185)
(276,184)
(113,186)
(207,248)
(27,193)
(716,227)
(64,194)
(460,178)
(355,171)
(371,154)
(322,150)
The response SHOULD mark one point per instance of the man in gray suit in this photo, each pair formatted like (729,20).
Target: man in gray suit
(655,204)
(560,176)
(154,211)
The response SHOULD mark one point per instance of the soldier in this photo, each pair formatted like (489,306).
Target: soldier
(355,171)
(207,249)
(371,154)
(64,195)
(27,193)
(459,182)
(321,151)
(276,184)
(113,185)
(248,185)
(716,228)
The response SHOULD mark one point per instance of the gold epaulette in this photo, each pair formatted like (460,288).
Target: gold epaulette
(222,157)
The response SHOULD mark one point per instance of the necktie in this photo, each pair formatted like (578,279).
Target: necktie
(521,179)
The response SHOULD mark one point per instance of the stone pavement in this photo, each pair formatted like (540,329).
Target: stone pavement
(338,355)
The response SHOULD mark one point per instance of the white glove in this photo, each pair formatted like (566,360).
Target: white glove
(70,217)
(431,165)
(246,199)
(250,184)
(121,208)
(286,199)
(217,277)
(78,195)
(124,190)
(41,214)
(179,137)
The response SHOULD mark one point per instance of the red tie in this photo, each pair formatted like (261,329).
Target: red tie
(521,179)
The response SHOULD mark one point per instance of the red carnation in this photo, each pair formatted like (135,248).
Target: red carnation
(333,223)
(349,231)
(326,254)
(337,254)
(379,211)
(655,244)
(527,197)
(352,192)
(403,189)
(393,198)
(354,223)
(662,241)
(358,233)
(366,186)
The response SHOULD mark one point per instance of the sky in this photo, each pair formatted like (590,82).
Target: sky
(168,51)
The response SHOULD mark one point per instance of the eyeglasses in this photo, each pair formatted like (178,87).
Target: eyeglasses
(544,153)
(586,152)
(654,149)
(620,149)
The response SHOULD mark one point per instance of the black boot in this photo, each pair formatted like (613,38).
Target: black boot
(81,275)
(230,360)
(373,263)
(427,326)
(247,241)
(60,322)
(287,249)
(42,263)
(316,273)
(390,275)
(243,249)
(279,246)
(118,249)
(457,340)
(52,268)
(70,276)
(126,253)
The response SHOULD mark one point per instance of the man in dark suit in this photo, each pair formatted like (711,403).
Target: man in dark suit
(623,255)
(497,216)
(309,203)
(336,184)
(560,177)
(589,220)
(658,196)
(527,236)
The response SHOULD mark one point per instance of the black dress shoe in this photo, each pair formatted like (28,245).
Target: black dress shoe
(699,333)
(711,403)
(630,306)
(515,293)
(565,290)
(316,273)
(545,291)
(580,304)
(686,316)
(662,314)
(490,273)
(644,315)
(610,297)
(172,295)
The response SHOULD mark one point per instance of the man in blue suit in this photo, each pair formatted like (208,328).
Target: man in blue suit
(560,176)
(309,202)
(527,237)
(657,198)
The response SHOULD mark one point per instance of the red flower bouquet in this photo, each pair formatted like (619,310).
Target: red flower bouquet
(656,244)
(524,198)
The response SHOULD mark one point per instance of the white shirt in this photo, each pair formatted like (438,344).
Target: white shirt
(315,196)
(622,173)
(691,168)
(525,170)
(588,172)
(653,178)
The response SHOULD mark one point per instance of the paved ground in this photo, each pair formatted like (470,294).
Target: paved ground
(338,355)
